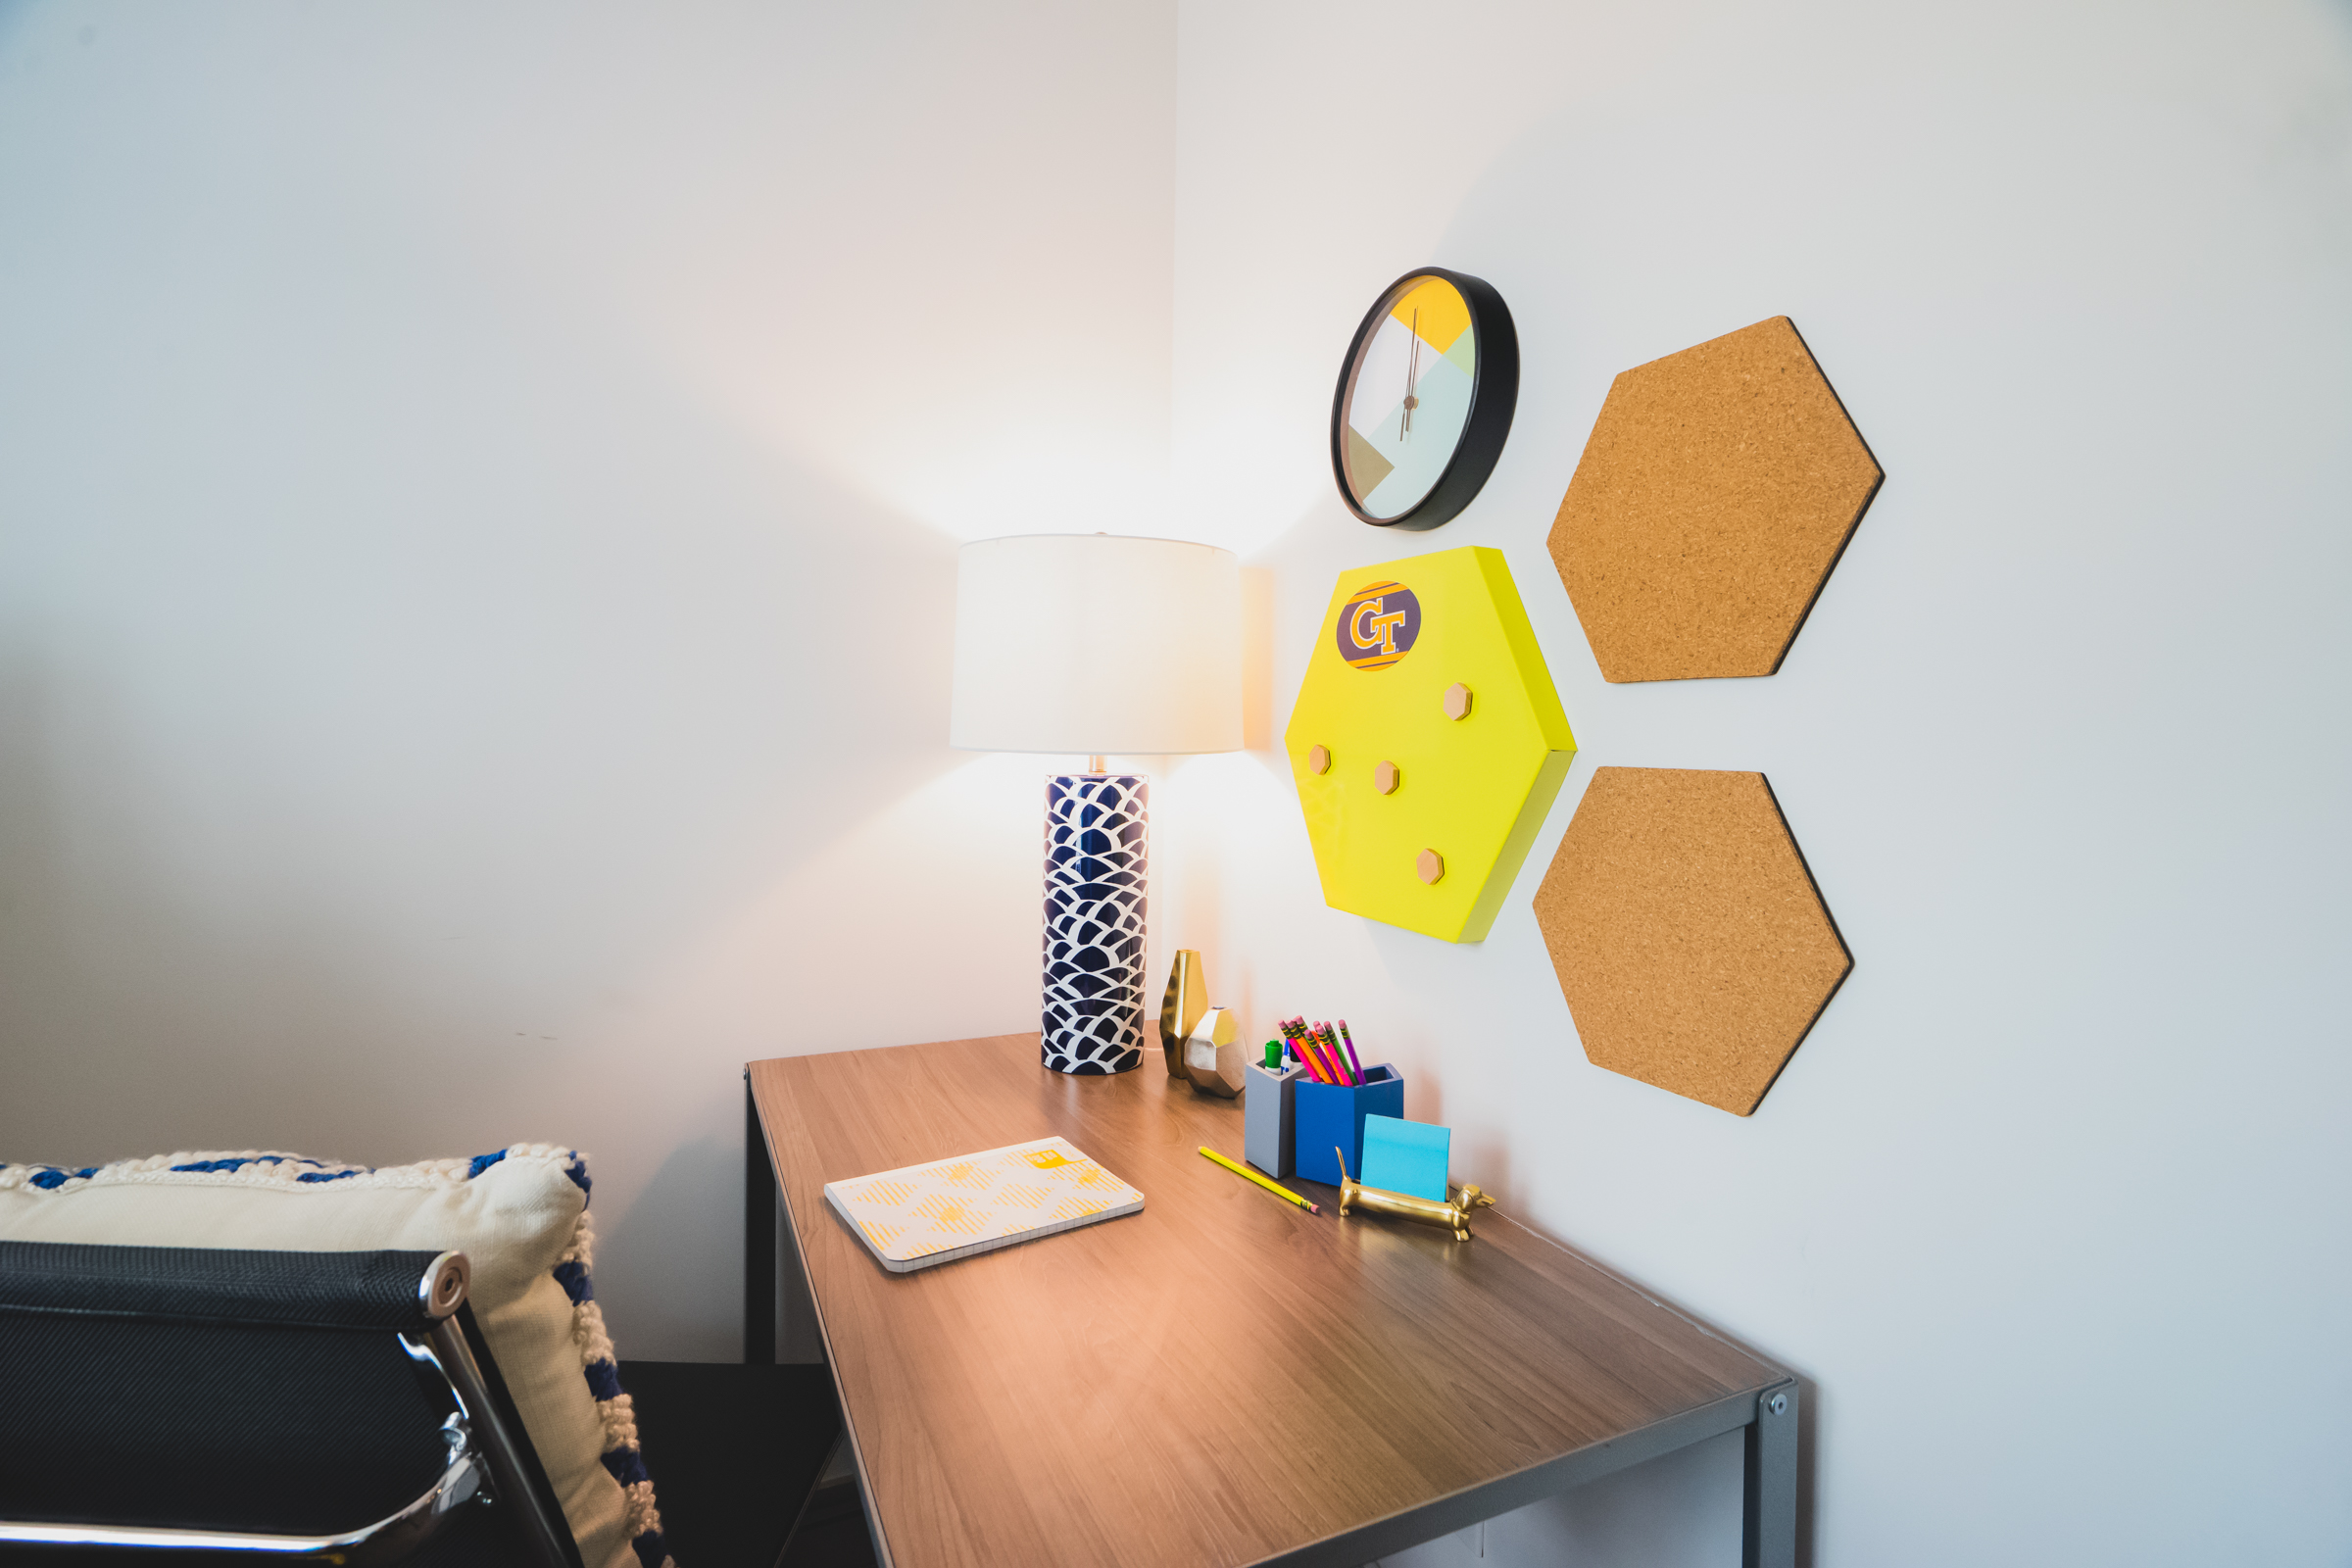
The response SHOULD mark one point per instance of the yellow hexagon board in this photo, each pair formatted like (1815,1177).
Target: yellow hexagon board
(1420,818)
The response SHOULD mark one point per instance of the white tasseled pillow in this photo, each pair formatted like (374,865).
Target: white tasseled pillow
(520,1215)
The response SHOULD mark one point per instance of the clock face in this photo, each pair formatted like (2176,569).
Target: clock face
(1424,400)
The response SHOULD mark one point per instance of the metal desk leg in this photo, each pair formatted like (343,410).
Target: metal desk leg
(759,1238)
(1768,1512)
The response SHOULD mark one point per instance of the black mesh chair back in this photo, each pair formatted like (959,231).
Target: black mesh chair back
(336,1405)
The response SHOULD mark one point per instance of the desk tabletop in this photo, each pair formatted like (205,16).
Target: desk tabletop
(1222,1378)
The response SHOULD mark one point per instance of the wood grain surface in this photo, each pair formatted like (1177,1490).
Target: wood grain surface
(1715,494)
(1689,941)
(1222,1378)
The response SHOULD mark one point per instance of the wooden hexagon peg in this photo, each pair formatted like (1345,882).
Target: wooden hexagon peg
(1689,941)
(1318,759)
(1457,701)
(1386,778)
(1716,493)
(1430,866)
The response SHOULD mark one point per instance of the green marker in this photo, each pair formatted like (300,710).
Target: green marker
(1273,1056)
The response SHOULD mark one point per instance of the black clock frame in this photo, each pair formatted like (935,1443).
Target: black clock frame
(1493,399)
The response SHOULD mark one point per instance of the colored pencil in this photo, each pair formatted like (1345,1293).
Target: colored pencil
(1300,1056)
(1295,1030)
(1331,1071)
(1352,1059)
(1322,1063)
(1289,1042)
(1338,1064)
(1331,1047)
(1276,1188)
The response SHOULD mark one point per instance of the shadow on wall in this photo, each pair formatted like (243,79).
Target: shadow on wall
(695,1195)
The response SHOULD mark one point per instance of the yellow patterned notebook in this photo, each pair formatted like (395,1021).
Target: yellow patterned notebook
(935,1213)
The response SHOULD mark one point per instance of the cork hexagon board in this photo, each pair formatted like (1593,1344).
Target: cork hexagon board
(1689,941)
(1427,741)
(1716,492)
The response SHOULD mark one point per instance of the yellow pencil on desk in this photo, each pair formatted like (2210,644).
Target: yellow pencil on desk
(1276,1188)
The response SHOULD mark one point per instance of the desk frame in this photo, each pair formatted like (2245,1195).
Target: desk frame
(1768,1414)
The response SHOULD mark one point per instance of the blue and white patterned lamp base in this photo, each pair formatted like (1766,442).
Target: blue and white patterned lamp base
(1096,852)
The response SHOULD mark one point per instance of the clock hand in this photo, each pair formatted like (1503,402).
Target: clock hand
(1412,378)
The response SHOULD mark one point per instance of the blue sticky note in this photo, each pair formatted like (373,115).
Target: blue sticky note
(1406,1156)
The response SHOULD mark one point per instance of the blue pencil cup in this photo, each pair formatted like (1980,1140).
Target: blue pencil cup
(1325,1116)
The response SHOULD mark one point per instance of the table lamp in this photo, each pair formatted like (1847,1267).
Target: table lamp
(1092,644)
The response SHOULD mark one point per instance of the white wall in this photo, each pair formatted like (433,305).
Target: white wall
(2052,1206)
(478,488)
(478,498)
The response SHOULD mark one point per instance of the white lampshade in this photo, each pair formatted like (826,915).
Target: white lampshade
(1097,644)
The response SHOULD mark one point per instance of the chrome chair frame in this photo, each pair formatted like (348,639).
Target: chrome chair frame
(484,1434)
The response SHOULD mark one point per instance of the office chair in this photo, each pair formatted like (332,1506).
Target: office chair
(182,1404)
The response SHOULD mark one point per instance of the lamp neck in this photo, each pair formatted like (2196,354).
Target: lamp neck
(1094,764)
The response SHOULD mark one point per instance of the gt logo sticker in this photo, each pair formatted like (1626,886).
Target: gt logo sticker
(1378,625)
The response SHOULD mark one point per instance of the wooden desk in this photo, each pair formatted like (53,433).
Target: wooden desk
(1223,1377)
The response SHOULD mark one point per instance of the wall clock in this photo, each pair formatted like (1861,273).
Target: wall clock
(1424,399)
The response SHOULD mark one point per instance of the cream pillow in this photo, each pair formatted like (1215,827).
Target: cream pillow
(520,1217)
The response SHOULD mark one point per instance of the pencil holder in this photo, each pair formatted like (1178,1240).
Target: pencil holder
(1267,1101)
(1325,1116)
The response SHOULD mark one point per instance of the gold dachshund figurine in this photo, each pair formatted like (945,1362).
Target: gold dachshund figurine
(1453,1216)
